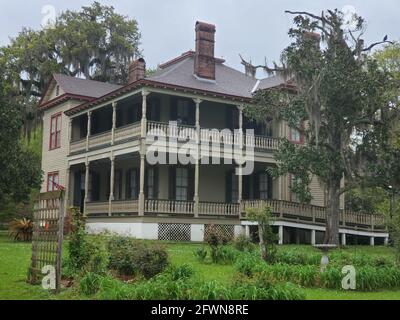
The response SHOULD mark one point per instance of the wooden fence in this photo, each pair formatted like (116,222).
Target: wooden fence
(48,226)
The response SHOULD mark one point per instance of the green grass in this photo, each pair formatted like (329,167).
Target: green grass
(15,258)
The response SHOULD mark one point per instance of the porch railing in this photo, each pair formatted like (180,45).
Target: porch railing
(169,207)
(126,132)
(316,214)
(100,139)
(219,209)
(77,146)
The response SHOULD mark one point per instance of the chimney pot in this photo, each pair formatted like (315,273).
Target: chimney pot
(137,70)
(204,61)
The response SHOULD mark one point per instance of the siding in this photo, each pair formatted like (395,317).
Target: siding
(55,160)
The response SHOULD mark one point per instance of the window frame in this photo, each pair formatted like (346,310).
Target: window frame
(52,175)
(181,189)
(56,120)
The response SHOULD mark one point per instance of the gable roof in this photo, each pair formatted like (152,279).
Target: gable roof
(83,87)
(75,88)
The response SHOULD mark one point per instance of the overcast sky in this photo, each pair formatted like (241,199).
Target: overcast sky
(257,29)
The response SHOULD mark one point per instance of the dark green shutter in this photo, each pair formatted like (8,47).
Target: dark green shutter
(192,113)
(270,186)
(228,183)
(174,109)
(246,187)
(172,183)
(137,180)
(257,185)
(156,183)
(128,185)
(191,173)
(229,118)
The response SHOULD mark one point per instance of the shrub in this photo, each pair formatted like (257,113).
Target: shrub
(21,230)
(225,255)
(151,260)
(184,271)
(90,283)
(130,257)
(297,257)
(248,264)
(215,239)
(77,247)
(122,255)
(243,243)
(201,254)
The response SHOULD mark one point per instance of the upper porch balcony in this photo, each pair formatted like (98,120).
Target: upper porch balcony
(173,117)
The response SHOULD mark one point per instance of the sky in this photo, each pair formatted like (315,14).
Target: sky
(256,29)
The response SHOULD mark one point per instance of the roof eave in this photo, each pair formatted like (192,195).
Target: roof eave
(154,84)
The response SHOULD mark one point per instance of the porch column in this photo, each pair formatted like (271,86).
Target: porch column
(197,168)
(69,134)
(372,241)
(141,191)
(89,127)
(144,113)
(86,185)
(280,235)
(240,177)
(313,241)
(66,185)
(247,231)
(343,239)
(386,241)
(112,175)
(114,122)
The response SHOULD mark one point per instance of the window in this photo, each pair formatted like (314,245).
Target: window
(57,91)
(131,185)
(183,112)
(182,184)
(55,131)
(151,188)
(235,188)
(264,186)
(52,181)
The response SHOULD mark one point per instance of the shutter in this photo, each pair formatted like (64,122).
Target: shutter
(172,183)
(174,109)
(137,180)
(270,186)
(257,186)
(77,188)
(146,184)
(138,112)
(229,118)
(108,184)
(156,183)
(228,184)
(128,185)
(192,114)
(246,187)
(191,182)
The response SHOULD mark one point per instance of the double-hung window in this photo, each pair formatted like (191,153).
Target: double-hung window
(55,131)
(52,181)
(264,185)
(182,184)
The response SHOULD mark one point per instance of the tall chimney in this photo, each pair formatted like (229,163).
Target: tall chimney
(137,70)
(204,61)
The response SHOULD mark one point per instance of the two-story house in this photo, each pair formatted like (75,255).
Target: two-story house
(99,143)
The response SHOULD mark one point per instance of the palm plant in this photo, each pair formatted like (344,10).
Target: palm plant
(21,229)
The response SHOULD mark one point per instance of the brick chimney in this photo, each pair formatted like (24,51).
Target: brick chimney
(137,70)
(204,61)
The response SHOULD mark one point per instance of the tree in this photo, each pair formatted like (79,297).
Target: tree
(263,217)
(20,168)
(96,43)
(339,103)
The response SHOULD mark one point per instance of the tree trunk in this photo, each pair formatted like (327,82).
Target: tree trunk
(263,249)
(332,212)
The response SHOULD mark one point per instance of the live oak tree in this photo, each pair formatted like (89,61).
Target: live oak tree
(336,97)
(95,42)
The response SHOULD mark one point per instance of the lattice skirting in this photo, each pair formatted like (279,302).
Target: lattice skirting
(223,230)
(174,232)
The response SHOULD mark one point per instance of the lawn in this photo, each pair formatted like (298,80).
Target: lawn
(15,258)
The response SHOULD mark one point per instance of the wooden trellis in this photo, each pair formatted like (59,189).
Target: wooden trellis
(48,227)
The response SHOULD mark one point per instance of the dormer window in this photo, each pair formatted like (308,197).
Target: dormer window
(57,91)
